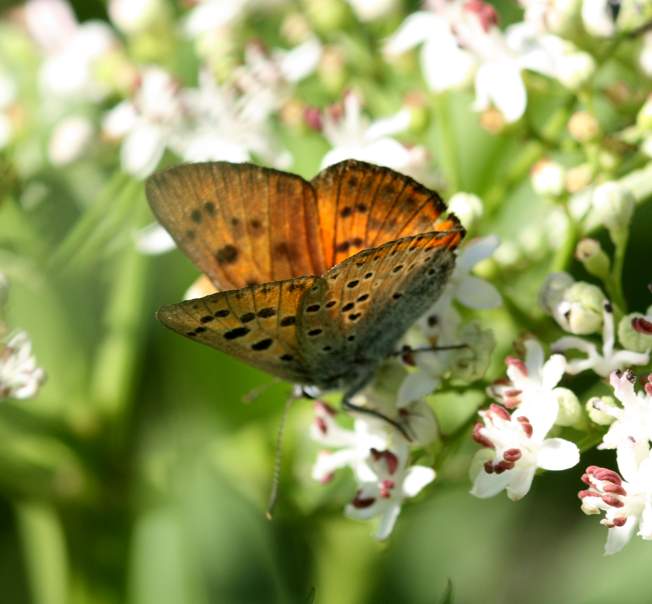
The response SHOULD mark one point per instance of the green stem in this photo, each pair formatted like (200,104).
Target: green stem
(88,222)
(118,353)
(447,140)
(45,553)
(567,249)
(615,283)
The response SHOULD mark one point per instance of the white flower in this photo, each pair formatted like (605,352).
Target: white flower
(464,287)
(393,482)
(153,239)
(549,15)
(20,376)
(599,17)
(434,31)
(147,122)
(72,49)
(352,136)
(645,58)
(632,423)
(69,140)
(354,446)
(369,10)
(532,382)
(134,16)
(626,501)
(467,207)
(548,178)
(516,445)
(604,362)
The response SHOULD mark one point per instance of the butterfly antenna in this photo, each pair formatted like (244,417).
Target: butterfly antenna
(278,455)
(408,350)
(257,391)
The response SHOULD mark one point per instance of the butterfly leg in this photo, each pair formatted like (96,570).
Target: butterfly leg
(349,406)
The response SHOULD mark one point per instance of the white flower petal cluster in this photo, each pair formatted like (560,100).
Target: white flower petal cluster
(516,443)
(377,453)
(352,136)
(603,361)
(20,376)
(466,33)
(625,497)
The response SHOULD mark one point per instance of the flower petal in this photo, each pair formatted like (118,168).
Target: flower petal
(487,485)
(415,386)
(477,293)
(500,83)
(416,478)
(558,454)
(552,371)
(153,239)
(619,536)
(388,520)
(521,481)
(414,30)
(477,250)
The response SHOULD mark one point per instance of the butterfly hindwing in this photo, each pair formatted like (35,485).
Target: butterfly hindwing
(257,324)
(239,223)
(363,206)
(379,294)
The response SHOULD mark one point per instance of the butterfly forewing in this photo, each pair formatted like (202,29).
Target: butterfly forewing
(239,223)
(257,324)
(378,294)
(363,206)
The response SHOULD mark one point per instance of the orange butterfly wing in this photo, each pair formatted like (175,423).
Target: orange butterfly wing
(239,223)
(257,324)
(363,206)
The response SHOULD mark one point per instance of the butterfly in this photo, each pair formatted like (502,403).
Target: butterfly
(315,282)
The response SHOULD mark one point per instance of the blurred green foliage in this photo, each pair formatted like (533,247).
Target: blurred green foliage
(137,475)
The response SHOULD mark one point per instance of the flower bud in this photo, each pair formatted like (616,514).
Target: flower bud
(596,407)
(326,16)
(583,126)
(570,411)
(370,10)
(69,140)
(332,69)
(598,18)
(492,120)
(645,58)
(470,363)
(420,422)
(613,207)
(575,69)
(467,207)
(644,117)
(552,290)
(577,307)
(590,253)
(548,178)
(635,332)
(578,177)
(134,16)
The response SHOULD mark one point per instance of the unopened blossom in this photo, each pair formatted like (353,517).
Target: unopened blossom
(613,206)
(625,497)
(645,57)
(394,481)
(370,10)
(603,361)
(576,306)
(135,16)
(72,50)
(353,136)
(590,253)
(20,376)
(548,178)
(516,446)
(147,122)
(599,17)
(69,139)
(550,15)
(635,331)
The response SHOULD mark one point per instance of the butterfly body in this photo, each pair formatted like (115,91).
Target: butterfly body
(321,279)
